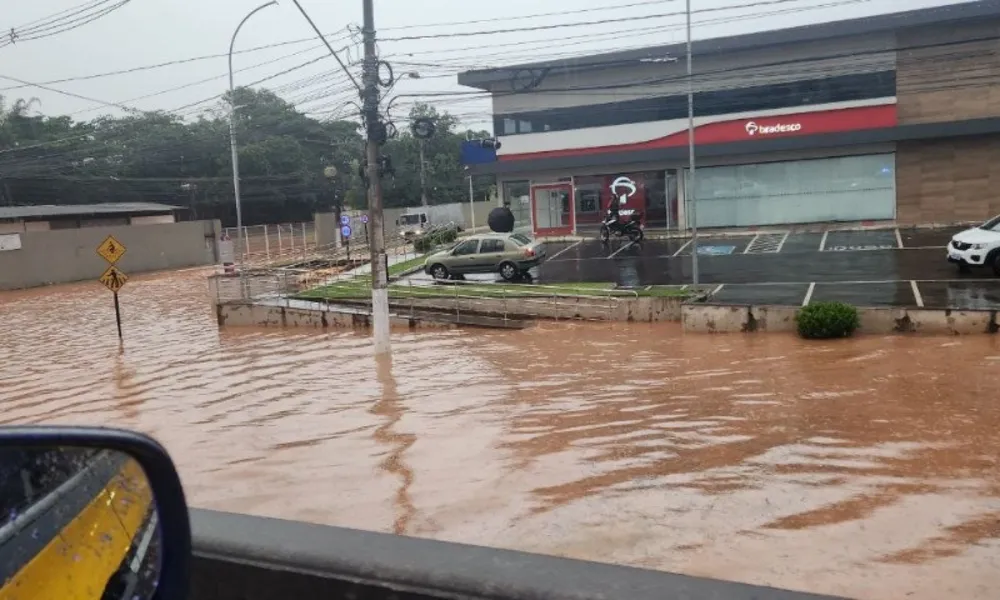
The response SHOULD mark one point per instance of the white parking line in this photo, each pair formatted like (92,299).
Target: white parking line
(916,294)
(822,242)
(747,249)
(717,288)
(781,244)
(809,294)
(899,238)
(566,249)
(624,247)
(681,249)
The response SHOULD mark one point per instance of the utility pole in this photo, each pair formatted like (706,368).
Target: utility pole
(689,189)
(376,245)
(423,174)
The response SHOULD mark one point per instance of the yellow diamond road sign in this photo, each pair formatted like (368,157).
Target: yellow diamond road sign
(114,279)
(111,249)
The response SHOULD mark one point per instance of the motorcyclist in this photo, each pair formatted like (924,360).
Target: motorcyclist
(613,213)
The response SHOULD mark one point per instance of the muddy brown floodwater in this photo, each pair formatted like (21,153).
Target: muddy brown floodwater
(866,468)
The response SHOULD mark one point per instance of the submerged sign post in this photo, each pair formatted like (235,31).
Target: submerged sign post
(113,278)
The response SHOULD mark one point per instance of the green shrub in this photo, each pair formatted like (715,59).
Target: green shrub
(827,320)
(422,244)
(438,237)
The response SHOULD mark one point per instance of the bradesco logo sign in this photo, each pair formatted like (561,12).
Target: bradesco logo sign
(753,128)
(623,188)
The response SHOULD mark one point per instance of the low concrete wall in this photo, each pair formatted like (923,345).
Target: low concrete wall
(719,318)
(643,309)
(236,314)
(241,557)
(596,308)
(68,255)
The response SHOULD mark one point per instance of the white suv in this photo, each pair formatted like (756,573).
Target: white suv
(977,247)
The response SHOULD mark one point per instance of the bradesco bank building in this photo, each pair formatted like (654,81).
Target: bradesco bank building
(878,119)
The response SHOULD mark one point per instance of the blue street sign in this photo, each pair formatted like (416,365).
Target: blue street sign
(715,250)
(345,220)
(364,218)
(345,231)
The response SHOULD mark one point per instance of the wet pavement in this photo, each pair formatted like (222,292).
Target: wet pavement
(864,468)
(889,267)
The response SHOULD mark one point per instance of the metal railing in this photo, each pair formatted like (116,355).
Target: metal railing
(269,243)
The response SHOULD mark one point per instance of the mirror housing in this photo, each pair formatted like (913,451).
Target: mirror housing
(105,476)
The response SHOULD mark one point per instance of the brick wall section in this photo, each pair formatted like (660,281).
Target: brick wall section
(941,78)
(948,180)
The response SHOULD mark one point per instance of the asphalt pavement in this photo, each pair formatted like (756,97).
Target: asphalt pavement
(885,267)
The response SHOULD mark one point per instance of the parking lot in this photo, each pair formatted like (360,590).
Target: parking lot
(885,267)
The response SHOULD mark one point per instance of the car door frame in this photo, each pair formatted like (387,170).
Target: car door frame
(464,263)
(491,260)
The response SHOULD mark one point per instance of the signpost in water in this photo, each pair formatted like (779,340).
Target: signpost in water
(113,278)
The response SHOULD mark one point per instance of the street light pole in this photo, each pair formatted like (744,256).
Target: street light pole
(232,147)
(689,193)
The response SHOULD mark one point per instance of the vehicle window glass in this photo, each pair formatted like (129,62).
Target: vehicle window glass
(521,240)
(992,225)
(489,246)
(467,247)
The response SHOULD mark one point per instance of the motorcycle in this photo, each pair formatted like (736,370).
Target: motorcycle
(632,229)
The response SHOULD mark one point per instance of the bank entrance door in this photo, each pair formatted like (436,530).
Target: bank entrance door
(552,207)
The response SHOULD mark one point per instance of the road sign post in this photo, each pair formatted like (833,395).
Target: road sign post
(111,250)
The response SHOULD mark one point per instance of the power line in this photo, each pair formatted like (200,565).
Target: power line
(70,20)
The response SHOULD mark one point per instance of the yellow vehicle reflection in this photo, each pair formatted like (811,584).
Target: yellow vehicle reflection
(74,543)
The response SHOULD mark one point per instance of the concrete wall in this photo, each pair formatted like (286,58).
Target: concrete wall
(242,557)
(68,255)
(717,318)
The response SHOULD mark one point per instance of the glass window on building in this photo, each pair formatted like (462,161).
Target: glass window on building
(517,197)
(647,192)
(847,188)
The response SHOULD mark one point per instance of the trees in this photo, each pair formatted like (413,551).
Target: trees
(155,156)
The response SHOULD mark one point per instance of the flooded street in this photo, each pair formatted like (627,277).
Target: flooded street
(865,468)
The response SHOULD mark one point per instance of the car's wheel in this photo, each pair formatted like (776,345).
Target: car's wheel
(508,271)
(439,272)
(994,261)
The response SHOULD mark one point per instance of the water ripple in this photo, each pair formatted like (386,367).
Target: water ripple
(865,468)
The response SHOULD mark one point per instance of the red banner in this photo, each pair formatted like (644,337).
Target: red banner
(749,129)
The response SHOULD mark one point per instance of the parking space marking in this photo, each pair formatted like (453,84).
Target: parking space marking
(622,248)
(682,248)
(566,249)
(899,239)
(717,288)
(766,243)
(916,291)
(809,293)
(822,242)
(781,244)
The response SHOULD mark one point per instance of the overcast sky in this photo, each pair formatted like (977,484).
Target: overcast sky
(144,33)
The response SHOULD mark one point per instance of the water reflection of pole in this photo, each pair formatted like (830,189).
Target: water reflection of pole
(390,407)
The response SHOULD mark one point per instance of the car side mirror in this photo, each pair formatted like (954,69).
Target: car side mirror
(87,509)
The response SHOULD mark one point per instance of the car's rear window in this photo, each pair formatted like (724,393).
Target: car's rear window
(520,239)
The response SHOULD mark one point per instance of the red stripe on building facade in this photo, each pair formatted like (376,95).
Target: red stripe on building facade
(744,130)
